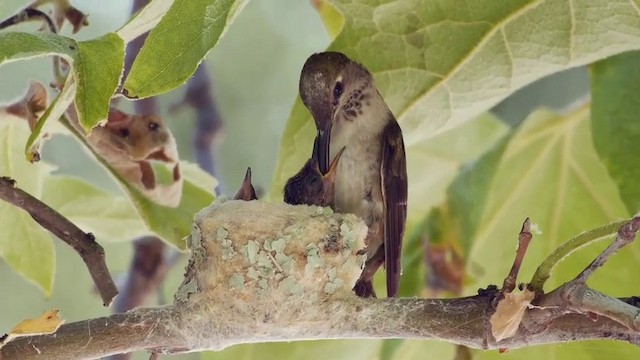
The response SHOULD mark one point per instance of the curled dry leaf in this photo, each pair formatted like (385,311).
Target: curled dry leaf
(47,323)
(32,105)
(62,10)
(131,144)
(446,267)
(32,108)
(509,312)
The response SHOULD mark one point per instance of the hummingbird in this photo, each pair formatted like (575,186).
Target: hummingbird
(312,186)
(246,192)
(371,176)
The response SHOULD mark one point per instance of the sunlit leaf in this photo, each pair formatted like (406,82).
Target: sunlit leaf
(308,350)
(97,65)
(24,245)
(551,173)
(169,57)
(108,216)
(424,349)
(331,17)
(615,90)
(445,62)
(144,20)
(98,68)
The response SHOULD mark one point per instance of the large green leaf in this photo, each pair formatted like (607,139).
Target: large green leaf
(615,90)
(24,245)
(109,217)
(445,62)
(97,65)
(551,173)
(176,46)
(308,350)
(145,20)
(450,226)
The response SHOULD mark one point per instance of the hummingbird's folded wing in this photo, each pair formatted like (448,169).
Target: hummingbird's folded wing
(394,192)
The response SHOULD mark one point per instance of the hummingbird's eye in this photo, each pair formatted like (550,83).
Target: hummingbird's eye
(337,90)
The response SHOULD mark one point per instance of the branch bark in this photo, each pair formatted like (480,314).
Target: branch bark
(83,243)
(175,329)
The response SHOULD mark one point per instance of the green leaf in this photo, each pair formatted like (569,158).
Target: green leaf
(551,173)
(451,225)
(108,216)
(591,350)
(21,46)
(331,17)
(615,90)
(432,166)
(145,20)
(176,46)
(417,349)
(309,350)
(446,62)
(24,245)
(467,195)
(172,224)
(98,68)
(548,170)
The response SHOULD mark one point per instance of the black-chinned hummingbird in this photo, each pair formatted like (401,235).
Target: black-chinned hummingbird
(371,176)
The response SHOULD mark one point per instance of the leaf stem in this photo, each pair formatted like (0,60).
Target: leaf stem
(543,272)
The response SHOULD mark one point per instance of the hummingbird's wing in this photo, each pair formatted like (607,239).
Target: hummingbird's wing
(394,193)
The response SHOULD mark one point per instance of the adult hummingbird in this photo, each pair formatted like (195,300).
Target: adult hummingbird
(371,176)
(312,186)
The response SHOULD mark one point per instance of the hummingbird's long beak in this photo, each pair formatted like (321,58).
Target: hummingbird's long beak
(322,147)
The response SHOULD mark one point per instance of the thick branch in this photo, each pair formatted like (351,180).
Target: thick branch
(95,338)
(176,329)
(83,243)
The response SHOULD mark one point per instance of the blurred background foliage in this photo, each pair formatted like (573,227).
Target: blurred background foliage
(255,69)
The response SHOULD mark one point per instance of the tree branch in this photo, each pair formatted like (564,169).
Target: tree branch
(83,243)
(308,296)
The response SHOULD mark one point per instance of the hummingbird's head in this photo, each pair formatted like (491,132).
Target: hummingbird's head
(332,86)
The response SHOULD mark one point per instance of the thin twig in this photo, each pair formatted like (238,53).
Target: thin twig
(524,238)
(626,234)
(28,14)
(575,296)
(83,243)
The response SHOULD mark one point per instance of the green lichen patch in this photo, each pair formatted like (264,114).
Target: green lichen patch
(236,281)
(252,249)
